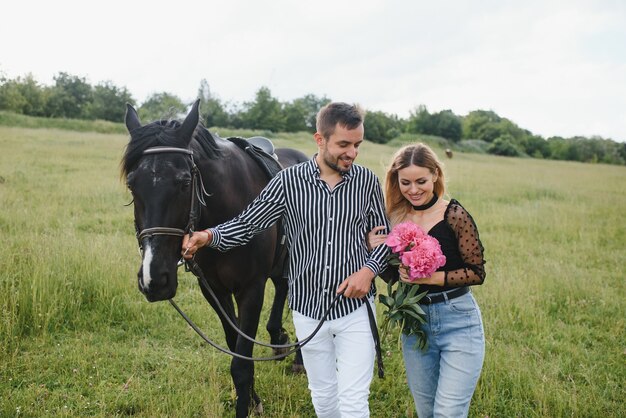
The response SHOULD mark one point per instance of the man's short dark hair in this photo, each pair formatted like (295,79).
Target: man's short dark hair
(346,115)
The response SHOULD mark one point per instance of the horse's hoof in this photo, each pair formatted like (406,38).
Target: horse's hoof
(258,409)
(280,352)
(297,368)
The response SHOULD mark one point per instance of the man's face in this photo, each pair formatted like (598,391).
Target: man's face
(339,151)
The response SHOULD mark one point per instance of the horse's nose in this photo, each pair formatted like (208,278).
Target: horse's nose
(159,284)
(140,284)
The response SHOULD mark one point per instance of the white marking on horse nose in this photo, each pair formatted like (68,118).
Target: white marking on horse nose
(147,260)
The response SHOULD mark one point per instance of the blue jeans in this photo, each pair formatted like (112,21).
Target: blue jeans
(442,379)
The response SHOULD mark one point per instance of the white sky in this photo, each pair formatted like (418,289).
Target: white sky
(553,67)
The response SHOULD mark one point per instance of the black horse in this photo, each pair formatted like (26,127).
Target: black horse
(183,177)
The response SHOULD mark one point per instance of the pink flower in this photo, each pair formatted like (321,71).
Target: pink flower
(424,258)
(415,249)
(403,236)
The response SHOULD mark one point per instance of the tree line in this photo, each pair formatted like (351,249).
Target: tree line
(480,130)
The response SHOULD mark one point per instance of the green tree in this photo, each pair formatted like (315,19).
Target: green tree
(504,145)
(446,124)
(621,151)
(211,108)
(301,113)
(69,97)
(381,127)
(295,118)
(443,123)
(265,112)
(161,106)
(11,98)
(35,96)
(486,125)
(419,121)
(109,102)
(22,95)
(564,149)
(481,124)
(536,146)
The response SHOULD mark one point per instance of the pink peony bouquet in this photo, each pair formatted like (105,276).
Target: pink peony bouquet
(421,254)
(415,249)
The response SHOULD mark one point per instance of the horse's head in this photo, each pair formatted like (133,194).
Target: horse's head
(162,176)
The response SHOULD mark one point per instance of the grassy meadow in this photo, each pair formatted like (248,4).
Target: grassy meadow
(77,338)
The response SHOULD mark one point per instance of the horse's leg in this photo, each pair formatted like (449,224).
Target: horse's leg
(278,334)
(226,302)
(298,364)
(249,303)
(241,371)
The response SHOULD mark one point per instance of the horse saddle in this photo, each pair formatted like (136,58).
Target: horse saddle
(265,144)
(262,151)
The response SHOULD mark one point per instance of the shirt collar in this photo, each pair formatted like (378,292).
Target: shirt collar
(314,169)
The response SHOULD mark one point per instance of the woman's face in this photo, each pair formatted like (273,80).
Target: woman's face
(417,184)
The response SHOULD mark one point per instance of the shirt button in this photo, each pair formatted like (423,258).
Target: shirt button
(327,267)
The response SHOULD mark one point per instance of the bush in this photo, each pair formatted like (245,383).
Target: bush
(505,146)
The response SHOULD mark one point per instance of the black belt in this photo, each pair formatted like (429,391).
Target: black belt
(440,297)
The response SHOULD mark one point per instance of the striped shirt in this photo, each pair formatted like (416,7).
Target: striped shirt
(326,232)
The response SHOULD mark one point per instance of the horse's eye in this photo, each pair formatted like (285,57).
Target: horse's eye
(186,184)
(129,177)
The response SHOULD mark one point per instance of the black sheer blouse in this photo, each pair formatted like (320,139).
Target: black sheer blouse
(458,236)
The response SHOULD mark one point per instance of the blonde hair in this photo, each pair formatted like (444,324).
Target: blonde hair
(420,155)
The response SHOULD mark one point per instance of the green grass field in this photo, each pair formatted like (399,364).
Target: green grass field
(77,338)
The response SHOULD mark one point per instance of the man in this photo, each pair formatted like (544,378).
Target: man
(328,205)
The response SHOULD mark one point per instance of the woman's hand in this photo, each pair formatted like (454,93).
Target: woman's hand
(374,239)
(437,278)
(404,274)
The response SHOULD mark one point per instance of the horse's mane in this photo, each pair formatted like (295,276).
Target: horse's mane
(163,133)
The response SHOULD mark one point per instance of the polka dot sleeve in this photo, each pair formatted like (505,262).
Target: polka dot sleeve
(470,248)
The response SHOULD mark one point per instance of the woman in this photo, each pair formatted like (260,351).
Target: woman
(442,379)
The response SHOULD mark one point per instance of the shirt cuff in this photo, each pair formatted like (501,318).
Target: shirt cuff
(374,266)
(216,238)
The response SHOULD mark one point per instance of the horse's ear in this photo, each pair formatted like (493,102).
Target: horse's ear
(191,121)
(131,118)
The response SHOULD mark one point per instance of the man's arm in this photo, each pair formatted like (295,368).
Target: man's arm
(377,260)
(262,213)
(358,284)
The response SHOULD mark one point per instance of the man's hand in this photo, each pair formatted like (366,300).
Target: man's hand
(357,284)
(198,240)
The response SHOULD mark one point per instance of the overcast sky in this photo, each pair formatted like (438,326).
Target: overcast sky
(552,67)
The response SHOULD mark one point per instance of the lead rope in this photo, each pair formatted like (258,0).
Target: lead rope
(374,328)
(192,266)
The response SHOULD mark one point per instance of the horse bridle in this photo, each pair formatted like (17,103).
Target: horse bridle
(197,198)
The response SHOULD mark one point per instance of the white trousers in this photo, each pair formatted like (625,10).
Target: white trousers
(339,363)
